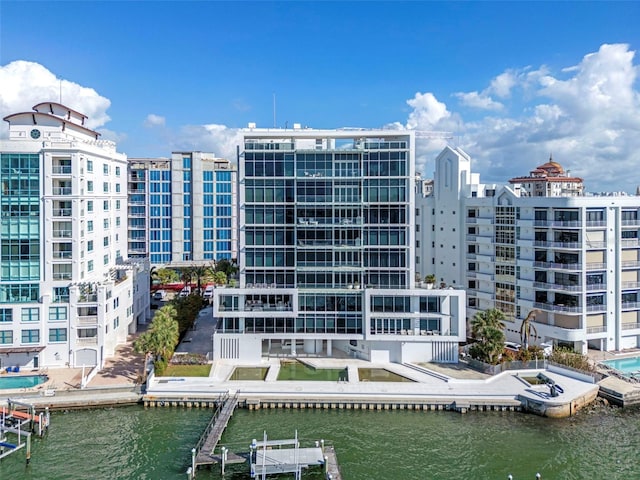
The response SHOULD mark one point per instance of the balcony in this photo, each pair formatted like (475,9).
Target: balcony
(61,212)
(570,245)
(62,275)
(627,285)
(630,264)
(630,305)
(558,266)
(597,308)
(557,286)
(60,255)
(87,341)
(598,329)
(596,223)
(87,320)
(61,190)
(558,223)
(61,169)
(88,298)
(592,287)
(632,222)
(557,308)
(630,242)
(630,326)
(62,233)
(596,266)
(479,220)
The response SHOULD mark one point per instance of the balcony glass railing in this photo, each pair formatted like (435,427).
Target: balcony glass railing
(598,329)
(62,190)
(61,169)
(61,212)
(62,275)
(630,326)
(62,254)
(62,233)
(557,266)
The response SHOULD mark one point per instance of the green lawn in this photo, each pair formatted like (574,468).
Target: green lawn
(187,371)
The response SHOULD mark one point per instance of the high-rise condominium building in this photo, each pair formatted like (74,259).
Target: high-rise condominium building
(571,261)
(326,257)
(68,294)
(183,209)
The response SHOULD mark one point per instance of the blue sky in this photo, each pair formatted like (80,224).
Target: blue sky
(513,81)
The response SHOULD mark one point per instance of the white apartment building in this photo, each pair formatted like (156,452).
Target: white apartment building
(183,209)
(326,255)
(68,294)
(573,260)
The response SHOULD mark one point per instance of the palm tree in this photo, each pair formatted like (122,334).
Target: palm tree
(488,328)
(528,329)
(162,337)
(165,328)
(200,272)
(186,274)
(153,276)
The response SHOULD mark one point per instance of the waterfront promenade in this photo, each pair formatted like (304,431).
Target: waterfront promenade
(451,385)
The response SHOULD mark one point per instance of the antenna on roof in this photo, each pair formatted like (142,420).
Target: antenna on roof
(274,110)
(60,92)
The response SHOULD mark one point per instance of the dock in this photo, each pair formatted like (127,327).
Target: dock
(332,467)
(203,451)
(22,424)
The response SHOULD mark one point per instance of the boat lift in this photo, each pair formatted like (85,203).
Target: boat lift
(23,425)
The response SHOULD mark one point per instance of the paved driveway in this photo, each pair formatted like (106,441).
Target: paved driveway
(199,339)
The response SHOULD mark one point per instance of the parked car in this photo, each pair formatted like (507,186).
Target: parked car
(547,349)
(208,292)
(160,295)
(512,346)
(185,292)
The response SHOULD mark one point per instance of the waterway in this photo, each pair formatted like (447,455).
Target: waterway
(134,443)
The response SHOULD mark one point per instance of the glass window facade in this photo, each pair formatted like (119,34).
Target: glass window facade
(329,221)
(20,217)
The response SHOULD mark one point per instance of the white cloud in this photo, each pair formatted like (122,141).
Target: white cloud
(478,100)
(587,115)
(25,84)
(427,111)
(153,120)
(214,138)
(501,85)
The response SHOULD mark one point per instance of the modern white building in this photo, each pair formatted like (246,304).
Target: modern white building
(326,256)
(573,260)
(183,209)
(68,294)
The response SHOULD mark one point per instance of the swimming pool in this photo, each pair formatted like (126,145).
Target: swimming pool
(625,365)
(22,381)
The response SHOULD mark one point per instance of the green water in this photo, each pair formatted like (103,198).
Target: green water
(249,373)
(300,372)
(380,375)
(134,443)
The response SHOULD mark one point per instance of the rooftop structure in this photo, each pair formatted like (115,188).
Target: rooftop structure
(548,180)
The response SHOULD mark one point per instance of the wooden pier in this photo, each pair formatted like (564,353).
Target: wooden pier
(211,436)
